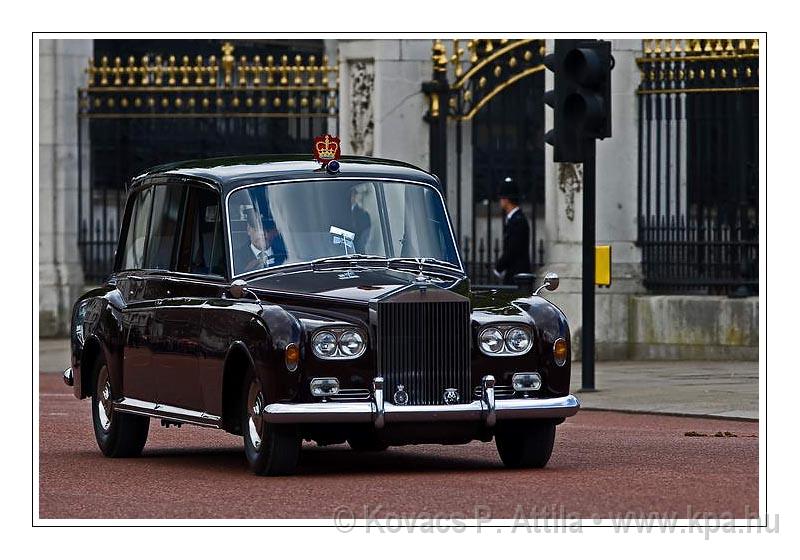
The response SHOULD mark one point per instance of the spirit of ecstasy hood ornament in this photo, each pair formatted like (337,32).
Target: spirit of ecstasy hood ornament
(421,278)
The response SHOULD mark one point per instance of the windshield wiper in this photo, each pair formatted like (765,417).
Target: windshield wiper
(418,262)
(347,258)
(422,261)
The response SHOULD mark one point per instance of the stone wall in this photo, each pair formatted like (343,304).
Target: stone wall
(384,119)
(693,328)
(61,64)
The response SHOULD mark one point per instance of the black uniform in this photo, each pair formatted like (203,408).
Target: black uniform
(516,244)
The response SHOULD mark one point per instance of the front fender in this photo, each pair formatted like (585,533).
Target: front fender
(281,328)
(550,324)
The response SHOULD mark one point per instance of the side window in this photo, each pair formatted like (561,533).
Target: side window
(164,226)
(133,256)
(202,247)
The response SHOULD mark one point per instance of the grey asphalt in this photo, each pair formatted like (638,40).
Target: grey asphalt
(715,389)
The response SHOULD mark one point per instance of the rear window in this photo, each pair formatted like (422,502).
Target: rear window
(164,226)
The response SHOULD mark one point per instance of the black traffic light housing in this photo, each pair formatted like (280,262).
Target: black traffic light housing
(581,98)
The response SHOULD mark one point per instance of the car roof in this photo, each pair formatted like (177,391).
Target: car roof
(228,173)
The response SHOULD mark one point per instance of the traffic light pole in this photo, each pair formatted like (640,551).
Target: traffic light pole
(587,275)
(581,102)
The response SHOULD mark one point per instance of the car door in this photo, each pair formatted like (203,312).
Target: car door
(197,274)
(171,352)
(137,381)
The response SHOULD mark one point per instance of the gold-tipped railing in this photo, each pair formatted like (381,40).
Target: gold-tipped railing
(698,65)
(187,86)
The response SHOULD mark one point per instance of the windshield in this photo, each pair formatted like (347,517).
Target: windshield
(273,225)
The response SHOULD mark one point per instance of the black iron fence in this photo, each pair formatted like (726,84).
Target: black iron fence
(710,252)
(137,112)
(698,165)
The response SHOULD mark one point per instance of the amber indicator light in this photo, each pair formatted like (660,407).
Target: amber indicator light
(292,356)
(560,351)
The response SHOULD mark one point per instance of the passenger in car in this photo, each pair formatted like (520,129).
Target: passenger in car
(264,247)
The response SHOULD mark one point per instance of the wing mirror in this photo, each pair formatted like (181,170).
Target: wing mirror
(238,289)
(550,283)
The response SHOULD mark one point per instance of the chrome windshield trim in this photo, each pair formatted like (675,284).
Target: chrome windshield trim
(328,178)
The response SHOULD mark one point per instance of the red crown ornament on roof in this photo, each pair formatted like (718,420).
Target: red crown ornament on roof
(327,148)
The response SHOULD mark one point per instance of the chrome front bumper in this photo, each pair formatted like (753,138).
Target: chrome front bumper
(486,410)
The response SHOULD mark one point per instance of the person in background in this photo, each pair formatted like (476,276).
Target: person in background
(515,257)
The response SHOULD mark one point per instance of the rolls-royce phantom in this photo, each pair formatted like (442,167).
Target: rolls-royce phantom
(284,301)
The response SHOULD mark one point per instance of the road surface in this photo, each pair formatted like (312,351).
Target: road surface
(605,465)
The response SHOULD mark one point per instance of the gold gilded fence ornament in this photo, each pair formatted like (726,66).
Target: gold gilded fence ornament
(471,77)
(227,63)
(698,66)
(171,86)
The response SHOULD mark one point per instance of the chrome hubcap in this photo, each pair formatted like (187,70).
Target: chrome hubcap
(104,406)
(255,410)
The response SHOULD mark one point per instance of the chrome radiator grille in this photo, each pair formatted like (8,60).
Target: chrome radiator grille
(425,346)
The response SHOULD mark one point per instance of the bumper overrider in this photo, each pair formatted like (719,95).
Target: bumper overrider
(486,409)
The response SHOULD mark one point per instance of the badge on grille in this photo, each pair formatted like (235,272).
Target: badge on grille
(400,396)
(450,396)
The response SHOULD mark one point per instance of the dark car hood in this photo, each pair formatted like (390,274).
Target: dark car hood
(352,284)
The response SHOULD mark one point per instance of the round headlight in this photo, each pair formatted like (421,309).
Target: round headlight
(491,340)
(324,344)
(518,340)
(351,343)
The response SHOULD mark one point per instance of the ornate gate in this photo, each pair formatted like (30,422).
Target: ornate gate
(488,99)
(137,112)
(698,165)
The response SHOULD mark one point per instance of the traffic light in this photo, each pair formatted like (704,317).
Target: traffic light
(581,98)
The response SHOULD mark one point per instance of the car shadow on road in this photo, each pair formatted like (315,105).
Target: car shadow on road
(341,460)
(330,460)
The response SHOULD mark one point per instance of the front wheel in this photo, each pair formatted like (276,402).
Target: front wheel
(271,449)
(526,444)
(117,434)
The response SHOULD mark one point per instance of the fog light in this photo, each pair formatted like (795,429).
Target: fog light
(526,381)
(324,386)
